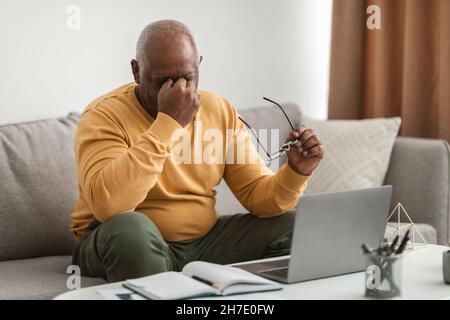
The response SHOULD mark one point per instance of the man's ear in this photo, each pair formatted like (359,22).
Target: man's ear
(135,70)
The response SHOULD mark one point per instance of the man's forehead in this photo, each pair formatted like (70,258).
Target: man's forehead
(161,49)
(172,63)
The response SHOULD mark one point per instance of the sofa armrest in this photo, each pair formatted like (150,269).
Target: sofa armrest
(419,173)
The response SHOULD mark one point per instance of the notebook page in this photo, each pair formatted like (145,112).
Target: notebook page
(171,285)
(222,275)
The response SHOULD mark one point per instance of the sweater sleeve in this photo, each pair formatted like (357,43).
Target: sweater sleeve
(114,176)
(260,191)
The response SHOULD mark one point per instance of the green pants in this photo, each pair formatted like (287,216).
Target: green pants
(130,245)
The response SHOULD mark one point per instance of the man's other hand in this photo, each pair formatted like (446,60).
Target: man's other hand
(305,155)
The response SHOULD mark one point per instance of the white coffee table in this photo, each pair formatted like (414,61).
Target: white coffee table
(422,279)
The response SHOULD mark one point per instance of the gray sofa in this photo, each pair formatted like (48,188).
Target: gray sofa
(38,192)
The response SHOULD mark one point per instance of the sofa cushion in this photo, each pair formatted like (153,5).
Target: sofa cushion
(419,171)
(357,153)
(38,188)
(38,278)
(269,117)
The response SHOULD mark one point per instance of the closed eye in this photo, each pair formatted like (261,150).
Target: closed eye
(160,80)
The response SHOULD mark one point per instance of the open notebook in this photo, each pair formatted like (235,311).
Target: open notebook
(198,279)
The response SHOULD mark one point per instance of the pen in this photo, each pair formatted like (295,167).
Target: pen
(386,249)
(402,245)
(209,283)
(367,250)
(392,247)
(380,248)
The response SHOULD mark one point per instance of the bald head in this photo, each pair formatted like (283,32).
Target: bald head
(162,31)
(166,50)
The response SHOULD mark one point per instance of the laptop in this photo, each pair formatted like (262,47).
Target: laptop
(329,230)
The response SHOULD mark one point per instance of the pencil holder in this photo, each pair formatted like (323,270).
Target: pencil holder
(446,266)
(383,275)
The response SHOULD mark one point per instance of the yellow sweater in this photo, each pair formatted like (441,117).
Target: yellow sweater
(125,161)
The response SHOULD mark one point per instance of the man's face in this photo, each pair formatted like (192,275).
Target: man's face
(166,60)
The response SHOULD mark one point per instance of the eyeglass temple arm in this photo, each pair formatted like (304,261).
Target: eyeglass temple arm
(282,110)
(256,137)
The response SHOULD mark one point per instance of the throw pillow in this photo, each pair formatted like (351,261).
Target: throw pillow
(357,153)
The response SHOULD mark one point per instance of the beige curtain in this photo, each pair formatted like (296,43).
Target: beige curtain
(402,69)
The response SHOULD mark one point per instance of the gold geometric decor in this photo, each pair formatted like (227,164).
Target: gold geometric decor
(402,228)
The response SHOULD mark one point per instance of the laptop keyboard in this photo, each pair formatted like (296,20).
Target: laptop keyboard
(282,273)
(266,266)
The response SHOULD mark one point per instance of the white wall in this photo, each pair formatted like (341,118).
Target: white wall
(251,48)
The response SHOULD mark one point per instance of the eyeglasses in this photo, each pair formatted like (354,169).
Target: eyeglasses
(285,147)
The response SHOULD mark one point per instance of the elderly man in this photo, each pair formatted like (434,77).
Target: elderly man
(140,211)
